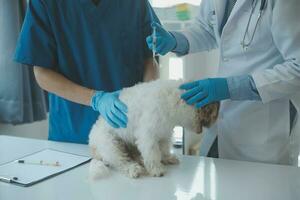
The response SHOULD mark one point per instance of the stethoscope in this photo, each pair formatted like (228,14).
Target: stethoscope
(245,44)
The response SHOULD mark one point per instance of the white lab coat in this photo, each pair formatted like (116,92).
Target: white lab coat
(254,130)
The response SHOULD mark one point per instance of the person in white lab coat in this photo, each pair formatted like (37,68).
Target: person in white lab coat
(259,74)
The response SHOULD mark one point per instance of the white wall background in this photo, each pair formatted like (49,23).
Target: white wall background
(167,3)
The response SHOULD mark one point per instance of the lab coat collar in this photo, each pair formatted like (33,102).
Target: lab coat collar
(220,6)
(240,5)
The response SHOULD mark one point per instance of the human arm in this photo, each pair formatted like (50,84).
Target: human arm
(59,85)
(108,104)
(198,37)
(150,70)
(203,92)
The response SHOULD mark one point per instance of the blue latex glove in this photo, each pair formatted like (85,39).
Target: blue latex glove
(203,92)
(165,41)
(111,108)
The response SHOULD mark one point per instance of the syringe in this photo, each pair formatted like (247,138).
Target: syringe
(154,40)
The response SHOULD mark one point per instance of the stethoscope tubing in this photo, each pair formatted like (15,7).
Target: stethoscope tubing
(262,8)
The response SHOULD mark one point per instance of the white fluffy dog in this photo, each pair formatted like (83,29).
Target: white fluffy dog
(154,109)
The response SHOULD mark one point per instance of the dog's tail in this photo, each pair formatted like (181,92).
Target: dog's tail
(98,169)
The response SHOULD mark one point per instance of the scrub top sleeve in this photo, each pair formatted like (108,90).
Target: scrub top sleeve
(148,17)
(36,45)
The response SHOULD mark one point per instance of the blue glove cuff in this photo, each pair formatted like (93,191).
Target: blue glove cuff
(221,88)
(242,88)
(182,44)
(95,98)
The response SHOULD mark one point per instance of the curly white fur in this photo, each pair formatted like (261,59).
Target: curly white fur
(154,109)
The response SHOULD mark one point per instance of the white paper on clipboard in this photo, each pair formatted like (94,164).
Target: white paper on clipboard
(29,174)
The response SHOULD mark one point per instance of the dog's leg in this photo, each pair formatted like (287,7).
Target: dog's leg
(151,155)
(114,153)
(135,154)
(167,157)
(98,169)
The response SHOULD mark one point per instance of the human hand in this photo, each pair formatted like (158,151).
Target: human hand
(165,41)
(111,108)
(203,92)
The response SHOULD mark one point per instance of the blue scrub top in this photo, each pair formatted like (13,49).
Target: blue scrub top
(97,46)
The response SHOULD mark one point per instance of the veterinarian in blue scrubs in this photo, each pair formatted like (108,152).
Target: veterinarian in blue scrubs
(84,52)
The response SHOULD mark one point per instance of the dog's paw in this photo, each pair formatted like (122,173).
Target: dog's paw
(98,170)
(156,170)
(170,160)
(134,170)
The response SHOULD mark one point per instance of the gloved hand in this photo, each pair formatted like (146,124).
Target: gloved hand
(203,92)
(111,108)
(165,41)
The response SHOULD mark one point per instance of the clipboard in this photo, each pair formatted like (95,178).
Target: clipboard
(28,174)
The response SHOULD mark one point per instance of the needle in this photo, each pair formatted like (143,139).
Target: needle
(41,162)
(155,63)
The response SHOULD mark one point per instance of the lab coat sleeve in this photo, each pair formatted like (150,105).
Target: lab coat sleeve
(242,88)
(200,34)
(283,80)
(36,44)
(182,47)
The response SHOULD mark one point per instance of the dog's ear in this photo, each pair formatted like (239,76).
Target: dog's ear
(210,114)
(199,128)
(198,122)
